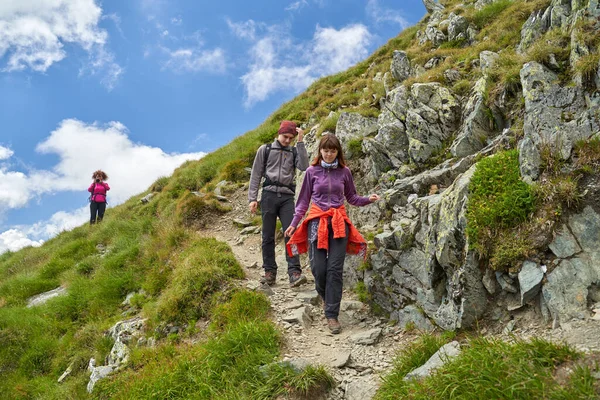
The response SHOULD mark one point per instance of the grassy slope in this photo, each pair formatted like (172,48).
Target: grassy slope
(153,247)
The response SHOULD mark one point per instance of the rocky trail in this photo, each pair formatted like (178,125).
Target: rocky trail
(356,357)
(363,352)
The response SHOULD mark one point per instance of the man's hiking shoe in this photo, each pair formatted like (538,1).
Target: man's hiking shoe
(297,279)
(269,278)
(334,326)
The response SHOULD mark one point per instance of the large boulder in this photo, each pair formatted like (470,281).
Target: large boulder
(556,116)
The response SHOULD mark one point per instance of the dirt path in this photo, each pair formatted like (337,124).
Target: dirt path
(356,357)
(364,350)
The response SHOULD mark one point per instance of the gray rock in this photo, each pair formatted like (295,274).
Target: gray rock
(299,316)
(452,75)
(586,229)
(535,26)
(412,315)
(250,230)
(530,160)
(487,60)
(340,359)
(478,126)
(400,67)
(42,298)
(362,388)
(98,373)
(566,292)
(432,6)
(489,281)
(530,281)
(354,126)
(366,337)
(555,116)
(309,297)
(242,223)
(564,244)
(219,187)
(457,26)
(446,353)
(147,198)
(506,283)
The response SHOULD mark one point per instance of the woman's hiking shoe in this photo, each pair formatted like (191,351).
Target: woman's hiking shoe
(297,279)
(269,278)
(334,326)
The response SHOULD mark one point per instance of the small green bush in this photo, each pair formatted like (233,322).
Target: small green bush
(159,184)
(490,12)
(234,171)
(354,148)
(499,199)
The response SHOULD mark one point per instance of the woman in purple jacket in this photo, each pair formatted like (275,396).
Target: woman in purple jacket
(327,233)
(98,190)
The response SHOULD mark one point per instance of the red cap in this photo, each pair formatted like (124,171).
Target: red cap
(287,127)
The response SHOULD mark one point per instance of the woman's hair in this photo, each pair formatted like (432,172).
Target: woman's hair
(99,174)
(330,142)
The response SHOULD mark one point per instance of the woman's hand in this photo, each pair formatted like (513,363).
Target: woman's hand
(373,198)
(289,231)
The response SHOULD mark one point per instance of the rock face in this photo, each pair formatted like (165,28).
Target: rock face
(421,152)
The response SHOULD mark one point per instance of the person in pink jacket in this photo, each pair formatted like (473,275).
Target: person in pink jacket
(98,190)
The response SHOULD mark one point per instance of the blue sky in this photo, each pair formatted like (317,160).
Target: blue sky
(136,87)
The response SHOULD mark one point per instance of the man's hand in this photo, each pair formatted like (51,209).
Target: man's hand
(253,206)
(289,231)
(373,198)
(300,134)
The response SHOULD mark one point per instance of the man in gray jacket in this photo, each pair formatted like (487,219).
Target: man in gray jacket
(277,163)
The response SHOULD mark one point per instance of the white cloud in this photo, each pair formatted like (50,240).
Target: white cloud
(34,33)
(176,21)
(280,64)
(379,14)
(15,239)
(336,50)
(82,148)
(196,60)
(245,30)
(295,6)
(5,153)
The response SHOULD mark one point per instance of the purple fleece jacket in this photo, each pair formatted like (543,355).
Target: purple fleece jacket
(326,188)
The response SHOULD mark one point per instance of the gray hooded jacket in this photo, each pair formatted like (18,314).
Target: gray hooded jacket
(280,168)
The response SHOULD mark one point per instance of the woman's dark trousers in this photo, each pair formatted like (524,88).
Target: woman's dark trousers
(328,270)
(97,208)
(272,206)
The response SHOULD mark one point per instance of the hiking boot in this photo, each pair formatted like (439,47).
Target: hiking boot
(269,278)
(297,279)
(334,326)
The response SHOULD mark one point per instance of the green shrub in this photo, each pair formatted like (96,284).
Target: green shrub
(196,211)
(490,12)
(200,271)
(499,199)
(159,184)
(244,306)
(491,369)
(587,66)
(354,148)
(234,171)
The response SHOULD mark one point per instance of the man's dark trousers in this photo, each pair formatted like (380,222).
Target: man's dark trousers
(273,205)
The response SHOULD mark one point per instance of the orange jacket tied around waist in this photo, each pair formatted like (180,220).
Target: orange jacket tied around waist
(298,243)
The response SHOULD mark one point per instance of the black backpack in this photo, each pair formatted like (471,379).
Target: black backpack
(269,182)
